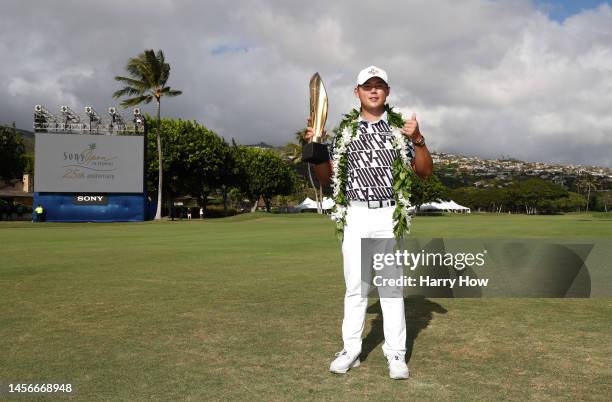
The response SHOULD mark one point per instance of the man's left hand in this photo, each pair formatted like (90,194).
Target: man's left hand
(411,128)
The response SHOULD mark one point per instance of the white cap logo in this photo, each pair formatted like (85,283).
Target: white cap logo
(371,72)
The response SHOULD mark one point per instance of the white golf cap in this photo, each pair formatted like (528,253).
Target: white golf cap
(370,72)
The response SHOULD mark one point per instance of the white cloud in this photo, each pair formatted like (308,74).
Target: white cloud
(484,77)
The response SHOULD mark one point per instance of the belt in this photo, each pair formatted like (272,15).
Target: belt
(372,204)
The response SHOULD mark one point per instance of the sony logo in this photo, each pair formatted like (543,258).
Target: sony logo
(91,199)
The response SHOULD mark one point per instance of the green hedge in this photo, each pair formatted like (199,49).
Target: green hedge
(216,211)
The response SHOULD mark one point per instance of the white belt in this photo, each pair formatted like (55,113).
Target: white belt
(372,204)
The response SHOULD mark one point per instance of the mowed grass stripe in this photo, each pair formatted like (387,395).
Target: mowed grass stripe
(251,307)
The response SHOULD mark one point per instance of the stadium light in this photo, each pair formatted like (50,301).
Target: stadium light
(139,120)
(115,117)
(93,116)
(42,115)
(69,115)
(138,117)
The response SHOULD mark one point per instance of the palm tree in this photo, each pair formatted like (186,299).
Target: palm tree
(149,73)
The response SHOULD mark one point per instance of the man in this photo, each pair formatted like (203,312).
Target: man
(37,216)
(369,188)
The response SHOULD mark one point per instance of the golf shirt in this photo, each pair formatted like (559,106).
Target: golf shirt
(370,161)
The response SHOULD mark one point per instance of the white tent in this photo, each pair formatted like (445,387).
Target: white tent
(444,206)
(458,208)
(432,206)
(308,203)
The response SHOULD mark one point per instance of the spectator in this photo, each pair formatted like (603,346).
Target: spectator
(37,216)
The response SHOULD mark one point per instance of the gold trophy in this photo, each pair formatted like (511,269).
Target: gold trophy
(314,151)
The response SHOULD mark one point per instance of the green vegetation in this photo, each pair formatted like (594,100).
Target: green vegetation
(199,163)
(195,160)
(423,191)
(263,174)
(250,308)
(12,154)
(531,196)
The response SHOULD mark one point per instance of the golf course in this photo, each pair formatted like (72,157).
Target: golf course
(250,308)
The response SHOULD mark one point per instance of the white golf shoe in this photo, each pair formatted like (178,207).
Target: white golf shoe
(343,362)
(398,369)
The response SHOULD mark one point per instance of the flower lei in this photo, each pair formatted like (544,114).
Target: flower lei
(402,173)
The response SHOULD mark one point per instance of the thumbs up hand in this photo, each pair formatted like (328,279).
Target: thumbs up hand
(411,128)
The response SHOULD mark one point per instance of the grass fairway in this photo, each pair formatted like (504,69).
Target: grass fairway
(250,307)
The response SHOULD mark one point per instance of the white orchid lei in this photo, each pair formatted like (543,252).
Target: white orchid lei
(402,173)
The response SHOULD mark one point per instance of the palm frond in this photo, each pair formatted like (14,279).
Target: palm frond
(139,67)
(167,91)
(165,73)
(164,68)
(133,66)
(154,64)
(127,91)
(137,100)
(138,84)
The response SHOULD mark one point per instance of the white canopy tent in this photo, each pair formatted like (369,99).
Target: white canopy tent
(443,206)
(309,203)
(459,208)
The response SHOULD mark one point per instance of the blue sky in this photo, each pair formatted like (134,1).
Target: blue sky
(559,10)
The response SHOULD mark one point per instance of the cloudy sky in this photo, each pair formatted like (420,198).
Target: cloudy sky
(527,79)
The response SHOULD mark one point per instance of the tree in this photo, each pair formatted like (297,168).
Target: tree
(206,157)
(12,151)
(535,193)
(28,167)
(263,174)
(604,200)
(571,202)
(149,73)
(587,182)
(304,187)
(193,159)
(466,196)
(423,191)
(229,173)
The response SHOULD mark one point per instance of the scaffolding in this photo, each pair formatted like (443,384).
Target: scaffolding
(69,121)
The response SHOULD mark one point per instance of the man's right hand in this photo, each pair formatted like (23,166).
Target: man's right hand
(310,131)
(323,171)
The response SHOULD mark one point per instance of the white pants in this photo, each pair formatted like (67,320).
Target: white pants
(362,222)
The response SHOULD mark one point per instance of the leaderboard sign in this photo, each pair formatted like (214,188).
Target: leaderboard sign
(84,163)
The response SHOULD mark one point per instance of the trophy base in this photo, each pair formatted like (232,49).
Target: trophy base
(315,153)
